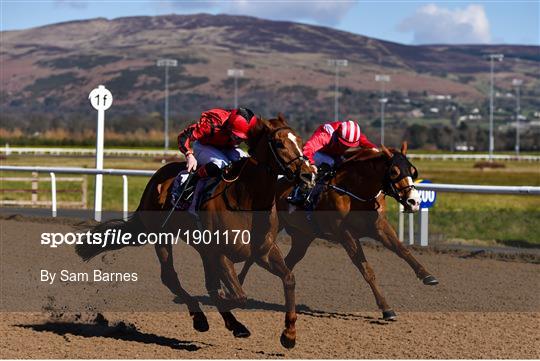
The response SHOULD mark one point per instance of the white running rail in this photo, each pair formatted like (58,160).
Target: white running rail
(158,153)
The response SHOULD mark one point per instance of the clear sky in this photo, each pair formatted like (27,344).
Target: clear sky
(408,22)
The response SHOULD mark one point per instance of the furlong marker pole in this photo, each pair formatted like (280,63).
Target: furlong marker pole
(101,99)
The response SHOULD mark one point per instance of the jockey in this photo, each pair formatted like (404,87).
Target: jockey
(212,143)
(327,146)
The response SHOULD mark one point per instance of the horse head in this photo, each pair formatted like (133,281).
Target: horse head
(274,143)
(399,178)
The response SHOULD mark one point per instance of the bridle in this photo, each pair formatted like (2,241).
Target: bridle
(389,182)
(283,165)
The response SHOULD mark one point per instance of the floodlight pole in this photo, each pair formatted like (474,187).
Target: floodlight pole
(517,84)
(166,63)
(382,78)
(235,73)
(492,57)
(337,63)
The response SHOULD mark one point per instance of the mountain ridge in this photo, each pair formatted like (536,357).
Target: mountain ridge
(52,68)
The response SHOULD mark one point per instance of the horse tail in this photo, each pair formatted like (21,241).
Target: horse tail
(134,224)
(88,250)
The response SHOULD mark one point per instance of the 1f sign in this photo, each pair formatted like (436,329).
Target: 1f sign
(101,98)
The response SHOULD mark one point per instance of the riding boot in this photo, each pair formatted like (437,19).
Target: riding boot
(186,190)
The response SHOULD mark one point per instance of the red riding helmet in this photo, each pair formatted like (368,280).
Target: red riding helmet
(241,121)
(348,133)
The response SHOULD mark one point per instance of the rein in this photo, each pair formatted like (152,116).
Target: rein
(239,173)
(394,191)
(352,195)
(389,189)
(283,165)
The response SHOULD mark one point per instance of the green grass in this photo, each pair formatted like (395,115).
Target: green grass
(508,219)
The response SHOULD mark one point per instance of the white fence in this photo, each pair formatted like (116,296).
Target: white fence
(170,153)
(68,170)
(475,157)
(6,150)
(439,187)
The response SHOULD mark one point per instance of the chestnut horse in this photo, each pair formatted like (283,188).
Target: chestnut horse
(275,149)
(352,206)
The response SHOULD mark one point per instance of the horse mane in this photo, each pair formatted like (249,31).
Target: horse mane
(361,155)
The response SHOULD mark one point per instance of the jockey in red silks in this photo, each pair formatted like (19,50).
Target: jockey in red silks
(326,148)
(212,143)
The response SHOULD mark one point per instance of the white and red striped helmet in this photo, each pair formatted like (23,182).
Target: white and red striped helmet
(348,133)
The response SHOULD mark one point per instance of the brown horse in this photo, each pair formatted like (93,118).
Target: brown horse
(352,206)
(245,201)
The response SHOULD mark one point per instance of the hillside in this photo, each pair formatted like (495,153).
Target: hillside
(51,69)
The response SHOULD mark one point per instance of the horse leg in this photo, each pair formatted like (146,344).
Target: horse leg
(216,268)
(275,264)
(170,279)
(389,238)
(356,253)
(243,273)
(236,296)
(299,244)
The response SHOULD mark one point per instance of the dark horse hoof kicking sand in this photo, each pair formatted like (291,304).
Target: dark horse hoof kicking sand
(389,315)
(286,341)
(200,323)
(430,280)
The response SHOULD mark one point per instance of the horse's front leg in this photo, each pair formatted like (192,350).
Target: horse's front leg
(356,253)
(300,243)
(170,279)
(275,264)
(386,234)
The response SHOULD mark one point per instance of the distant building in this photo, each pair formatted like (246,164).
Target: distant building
(463,147)
(467,117)
(439,97)
(416,113)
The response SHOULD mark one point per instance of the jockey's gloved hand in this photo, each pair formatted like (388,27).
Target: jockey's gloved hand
(191,162)
(324,168)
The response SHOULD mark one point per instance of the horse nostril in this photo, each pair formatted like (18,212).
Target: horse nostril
(411,201)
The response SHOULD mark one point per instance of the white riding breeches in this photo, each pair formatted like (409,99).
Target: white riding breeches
(221,157)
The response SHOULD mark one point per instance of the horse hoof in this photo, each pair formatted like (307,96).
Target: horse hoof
(389,315)
(430,280)
(200,323)
(241,331)
(286,341)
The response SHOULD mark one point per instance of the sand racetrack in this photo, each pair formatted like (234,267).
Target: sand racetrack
(483,308)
